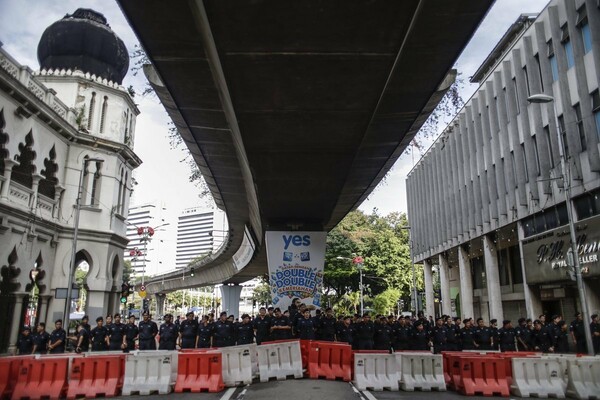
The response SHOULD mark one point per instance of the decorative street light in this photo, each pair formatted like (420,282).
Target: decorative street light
(67,308)
(573,254)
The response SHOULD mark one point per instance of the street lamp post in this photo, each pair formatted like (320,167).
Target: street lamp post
(359,262)
(539,99)
(412,264)
(67,308)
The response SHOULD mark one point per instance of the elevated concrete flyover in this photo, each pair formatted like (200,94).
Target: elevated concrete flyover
(295,110)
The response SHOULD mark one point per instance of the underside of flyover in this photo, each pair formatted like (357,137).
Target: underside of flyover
(295,110)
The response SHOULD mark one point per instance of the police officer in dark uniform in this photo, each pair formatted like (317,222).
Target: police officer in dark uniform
(223,332)
(58,339)
(25,341)
(363,333)
(99,334)
(261,326)
(85,321)
(344,331)
(494,331)
(540,339)
(168,334)
(244,333)
(382,335)
(578,333)
(401,332)
(188,332)
(467,339)
(40,339)
(148,331)
(595,331)
(306,326)
(420,337)
(327,326)
(116,334)
(507,336)
(205,332)
(482,336)
(131,333)
(561,339)
(523,335)
(281,328)
(83,339)
(439,336)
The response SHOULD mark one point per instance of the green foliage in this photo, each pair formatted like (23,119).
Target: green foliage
(386,302)
(127,270)
(383,242)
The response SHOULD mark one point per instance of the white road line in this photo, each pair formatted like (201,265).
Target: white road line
(369,395)
(358,392)
(228,393)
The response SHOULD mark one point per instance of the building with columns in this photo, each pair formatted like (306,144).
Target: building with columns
(486,203)
(51,121)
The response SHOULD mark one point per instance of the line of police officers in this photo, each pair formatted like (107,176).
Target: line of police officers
(384,333)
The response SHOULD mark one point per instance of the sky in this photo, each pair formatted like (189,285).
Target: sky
(162,178)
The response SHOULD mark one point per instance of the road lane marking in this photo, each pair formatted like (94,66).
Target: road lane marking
(228,393)
(369,395)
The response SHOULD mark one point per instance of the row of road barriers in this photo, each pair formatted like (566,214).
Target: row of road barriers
(523,374)
(107,374)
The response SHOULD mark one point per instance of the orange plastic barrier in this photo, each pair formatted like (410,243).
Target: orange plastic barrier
(330,360)
(42,378)
(97,375)
(9,372)
(483,376)
(199,372)
(305,351)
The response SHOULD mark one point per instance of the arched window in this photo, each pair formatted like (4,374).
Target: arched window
(85,184)
(3,141)
(120,183)
(48,184)
(103,115)
(124,194)
(95,195)
(23,173)
(91,110)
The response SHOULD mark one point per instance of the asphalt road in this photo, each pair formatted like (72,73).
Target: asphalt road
(304,389)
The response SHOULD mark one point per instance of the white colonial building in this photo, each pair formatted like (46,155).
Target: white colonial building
(51,121)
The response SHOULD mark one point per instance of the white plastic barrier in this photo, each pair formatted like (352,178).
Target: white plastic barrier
(584,378)
(254,359)
(539,377)
(150,371)
(421,371)
(279,360)
(562,360)
(376,371)
(237,365)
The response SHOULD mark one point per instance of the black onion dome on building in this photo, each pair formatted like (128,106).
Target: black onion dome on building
(84,41)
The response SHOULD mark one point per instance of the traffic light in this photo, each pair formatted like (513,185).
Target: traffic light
(191,271)
(124,292)
(131,306)
(145,304)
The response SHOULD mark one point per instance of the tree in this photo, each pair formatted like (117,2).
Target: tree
(262,292)
(386,302)
(127,271)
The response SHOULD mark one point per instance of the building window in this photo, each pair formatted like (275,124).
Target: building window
(95,195)
(566,41)
(539,70)
(504,177)
(553,62)
(526,168)
(596,110)
(91,110)
(478,268)
(584,27)
(103,114)
(505,95)
(514,80)
(527,80)
(515,265)
(537,156)
(588,204)
(563,133)
(580,129)
(514,167)
(550,152)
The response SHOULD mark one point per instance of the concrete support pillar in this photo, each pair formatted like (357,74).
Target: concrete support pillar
(160,303)
(16,323)
(445,285)
(492,278)
(42,314)
(36,178)
(8,166)
(231,299)
(466,284)
(97,304)
(533,303)
(429,298)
